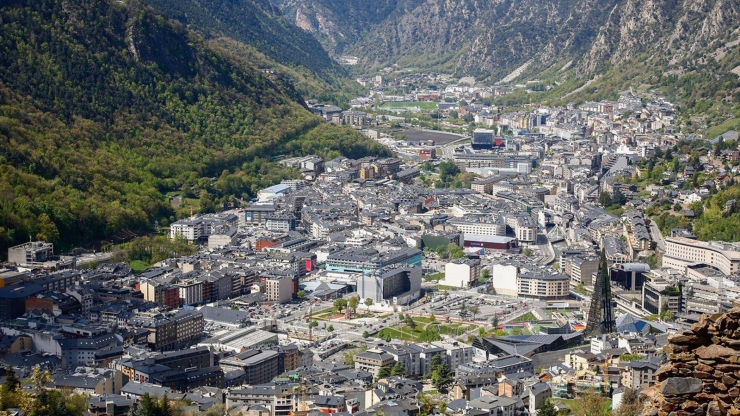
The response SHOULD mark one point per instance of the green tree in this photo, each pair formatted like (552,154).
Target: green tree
(618,197)
(440,374)
(47,229)
(448,170)
(340,304)
(206,202)
(410,322)
(301,294)
(384,372)
(11,380)
(10,393)
(398,370)
(164,406)
(590,404)
(148,406)
(348,358)
(632,404)
(455,251)
(354,301)
(217,409)
(474,309)
(547,409)
(330,328)
(314,323)
(366,335)
(368,302)
(485,274)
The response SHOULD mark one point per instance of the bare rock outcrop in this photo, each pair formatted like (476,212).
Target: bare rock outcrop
(702,375)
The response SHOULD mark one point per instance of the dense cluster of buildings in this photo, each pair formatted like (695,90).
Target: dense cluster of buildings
(235,325)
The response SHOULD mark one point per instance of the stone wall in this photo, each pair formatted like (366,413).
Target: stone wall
(702,372)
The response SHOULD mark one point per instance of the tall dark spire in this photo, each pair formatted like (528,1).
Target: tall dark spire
(600,313)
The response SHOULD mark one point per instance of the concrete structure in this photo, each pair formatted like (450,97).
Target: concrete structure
(279,289)
(504,279)
(490,225)
(681,251)
(273,192)
(372,360)
(13,299)
(463,273)
(259,366)
(191,291)
(366,260)
(30,253)
(630,276)
(495,243)
(543,286)
(526,229)
(399,285)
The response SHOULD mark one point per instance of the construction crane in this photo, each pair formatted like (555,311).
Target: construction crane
(606,373)
(303,404)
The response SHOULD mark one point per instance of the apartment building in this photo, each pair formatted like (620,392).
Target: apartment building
(462,273)
(681,251)
(372,360)
(526,229)
(543,286)
(172,330)
(483,225)
(259,366)
(279,289)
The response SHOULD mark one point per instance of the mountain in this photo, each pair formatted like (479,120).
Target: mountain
(659,42)
(106,108)
(339,24)
(255,30)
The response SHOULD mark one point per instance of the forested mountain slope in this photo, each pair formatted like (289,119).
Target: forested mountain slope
(106,106)
(262,36)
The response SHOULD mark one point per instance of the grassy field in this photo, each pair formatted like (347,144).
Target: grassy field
(443,287)
(424,105)
(138,266)
(730,124)
(405,333)
(527,317)
(322,314)
(434,277)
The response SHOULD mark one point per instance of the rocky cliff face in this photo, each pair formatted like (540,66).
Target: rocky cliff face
(675,34)
(492,38)
(702,376)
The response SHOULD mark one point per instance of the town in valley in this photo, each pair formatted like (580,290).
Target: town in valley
(503,259)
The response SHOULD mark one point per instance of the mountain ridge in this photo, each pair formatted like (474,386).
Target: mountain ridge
(489,40)
(106,108)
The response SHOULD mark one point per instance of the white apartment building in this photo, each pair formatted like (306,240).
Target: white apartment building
(681,251)
(191,291)
(461,274)
(504,277)
(526,229)
(190,229)
(490,225)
